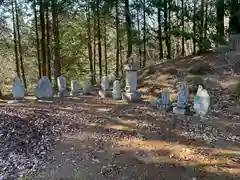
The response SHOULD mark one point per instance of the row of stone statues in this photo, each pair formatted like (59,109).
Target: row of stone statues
(181,105)
(44,89)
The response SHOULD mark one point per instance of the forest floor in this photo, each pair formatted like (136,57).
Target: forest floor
(104,139)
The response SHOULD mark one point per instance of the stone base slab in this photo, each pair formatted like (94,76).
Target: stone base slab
(131,97)
(105,94)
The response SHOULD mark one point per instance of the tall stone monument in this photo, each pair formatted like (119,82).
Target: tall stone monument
(131,93)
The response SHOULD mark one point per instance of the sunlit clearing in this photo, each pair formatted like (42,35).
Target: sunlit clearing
(94,125)
(104,109)
(163,152)
(197,57)
(119,127)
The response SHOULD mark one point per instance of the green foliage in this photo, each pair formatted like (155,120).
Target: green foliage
(74,38)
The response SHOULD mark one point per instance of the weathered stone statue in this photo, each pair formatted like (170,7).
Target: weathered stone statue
(116,93)
(131,93)
(105,91)
(74,87)
(43,89)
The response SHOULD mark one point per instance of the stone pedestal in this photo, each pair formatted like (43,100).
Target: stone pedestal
(131,93)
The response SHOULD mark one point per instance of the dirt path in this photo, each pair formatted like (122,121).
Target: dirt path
(115,140)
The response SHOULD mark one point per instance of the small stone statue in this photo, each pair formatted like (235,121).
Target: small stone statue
(182,98)
(116,93)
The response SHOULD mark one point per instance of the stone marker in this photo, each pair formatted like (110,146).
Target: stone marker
(62,87)
(116,93)
(43,89)
(104,91)
(201,101)
(86,86)
(105,83)
(18,89)
(131,93)
(163,101)
(74,87)
(182,100)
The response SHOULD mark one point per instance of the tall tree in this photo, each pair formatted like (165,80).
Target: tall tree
(194,26)
(105,46)
(128,28)
(90,43)
(166,28)
(99,39)
(42,26)
(144,33)
(139,37)
(160,32)
(182,19)
(15,41)
(37,39)
(220,20)
(117,39)
(57,62)
(20,44)
(201,39)
(48,32)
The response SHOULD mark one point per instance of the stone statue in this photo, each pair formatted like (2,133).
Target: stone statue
(18,89)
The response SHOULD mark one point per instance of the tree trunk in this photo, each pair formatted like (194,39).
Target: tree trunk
(49,57)
(139,38)
(183,43)
(43,48)
(99,40)
(94,44)
(90,43)
(206,21)
(169,30)
(220,20)
(166,29)
(160,34)
(37,39)
(57,62)
(201,48)
(20,45)
(105,47)
(144,33)
(234,24)
(194,27)
(128,28)
(121,58)
(15,41)
(117,40)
